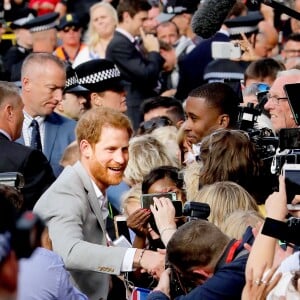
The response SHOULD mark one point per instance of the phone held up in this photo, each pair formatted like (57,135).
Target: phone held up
(147,200)
(291,174)
(226,50)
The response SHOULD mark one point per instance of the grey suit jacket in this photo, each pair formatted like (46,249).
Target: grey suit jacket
(77,231)
(59,133)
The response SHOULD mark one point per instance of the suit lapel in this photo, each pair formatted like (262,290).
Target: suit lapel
(92,198)
(51,129)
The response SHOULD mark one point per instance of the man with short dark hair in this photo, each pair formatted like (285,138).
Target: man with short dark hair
(212,264)
(140,74)
(163,106)
(210,107)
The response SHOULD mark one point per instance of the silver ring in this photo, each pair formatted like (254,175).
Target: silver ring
(264,282)
(258,282)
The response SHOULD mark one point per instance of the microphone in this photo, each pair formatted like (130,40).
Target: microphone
(208,19)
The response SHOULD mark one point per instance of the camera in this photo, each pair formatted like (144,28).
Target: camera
(196,210)
(14,179)
(147,200)
(287,232)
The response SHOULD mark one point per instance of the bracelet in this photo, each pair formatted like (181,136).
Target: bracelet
(166,229)
(141,256)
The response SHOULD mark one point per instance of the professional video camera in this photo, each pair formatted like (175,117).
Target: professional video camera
(264,139)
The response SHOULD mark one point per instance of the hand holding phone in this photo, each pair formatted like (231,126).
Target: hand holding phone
(291,174)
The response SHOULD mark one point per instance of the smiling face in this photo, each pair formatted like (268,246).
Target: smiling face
(201,119)
(281,114)
(108,158)
(42,88)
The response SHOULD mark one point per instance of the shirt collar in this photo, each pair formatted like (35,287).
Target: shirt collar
(6,134)
(97,190)
(28,119)
(126,33)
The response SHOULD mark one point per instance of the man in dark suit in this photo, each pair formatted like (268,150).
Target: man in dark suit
(34,166)
(140,74)
(43,82)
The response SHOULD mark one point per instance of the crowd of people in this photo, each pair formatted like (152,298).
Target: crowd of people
(137,161)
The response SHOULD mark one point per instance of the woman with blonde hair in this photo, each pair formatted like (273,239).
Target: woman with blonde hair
(224,198)
(101,28)
(146,153)
(237,222)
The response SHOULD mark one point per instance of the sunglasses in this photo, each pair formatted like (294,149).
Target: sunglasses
(150,125)
(73,28)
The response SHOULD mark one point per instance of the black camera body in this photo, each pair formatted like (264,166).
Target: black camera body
(14,179)
(287,232)
(196,210)
(264,139)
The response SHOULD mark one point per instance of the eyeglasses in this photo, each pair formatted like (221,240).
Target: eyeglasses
(293,51)
(150,125)
(73,28)
(275,99)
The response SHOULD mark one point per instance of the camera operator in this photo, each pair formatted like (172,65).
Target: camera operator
(205,259)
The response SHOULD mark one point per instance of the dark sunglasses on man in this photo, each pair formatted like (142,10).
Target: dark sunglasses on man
(73,28)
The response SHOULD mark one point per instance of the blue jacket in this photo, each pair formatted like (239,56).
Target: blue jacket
(59,133)
(226,284)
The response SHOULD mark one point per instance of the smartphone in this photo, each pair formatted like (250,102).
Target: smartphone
(225,50)
(121,227)
(289,138)
(291,174)
(293,92)
(147,200)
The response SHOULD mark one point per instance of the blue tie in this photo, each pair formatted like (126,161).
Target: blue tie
(35,136)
